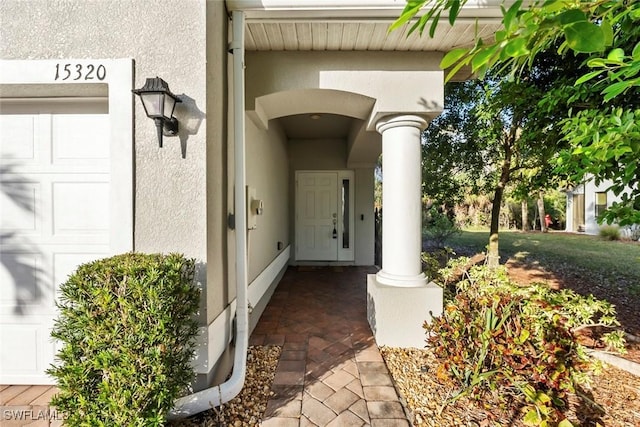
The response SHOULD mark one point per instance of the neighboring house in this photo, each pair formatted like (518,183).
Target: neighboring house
(286,106)
(585,202)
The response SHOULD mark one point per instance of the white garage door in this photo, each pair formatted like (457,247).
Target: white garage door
(54,215)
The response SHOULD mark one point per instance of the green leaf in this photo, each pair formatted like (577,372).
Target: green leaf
(614,90)
(636,52)
(516,47)
(482,57)
(532,418)
(457,68)
(422,22)
(542,397)
(524,335)
(596,62)
(584,37)
(616,54)
(565,423)
(508,17)
(434,25)
(453,12)
(607,32)
(410,10)
(588,77)
(551,6)
(452,57)
(572,16)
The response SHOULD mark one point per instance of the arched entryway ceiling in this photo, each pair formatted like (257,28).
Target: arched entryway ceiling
(310,101)
(363,145)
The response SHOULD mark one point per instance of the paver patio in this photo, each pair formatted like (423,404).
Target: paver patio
(330,371)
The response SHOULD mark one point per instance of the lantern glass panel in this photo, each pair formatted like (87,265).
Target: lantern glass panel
(153,104)
(169,105)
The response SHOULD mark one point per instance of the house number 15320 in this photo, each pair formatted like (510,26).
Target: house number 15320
(80,72)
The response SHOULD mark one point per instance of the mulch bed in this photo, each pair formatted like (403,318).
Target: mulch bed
(626,307)
(246,409)
(612,400)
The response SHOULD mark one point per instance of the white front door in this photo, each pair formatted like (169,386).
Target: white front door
(317,216)
(55,186)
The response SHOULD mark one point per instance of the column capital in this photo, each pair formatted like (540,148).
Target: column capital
(401,120)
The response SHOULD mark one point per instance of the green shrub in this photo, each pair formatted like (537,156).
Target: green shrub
(497,337)
(127,330)
(438,227)
(609,232)
(434,261)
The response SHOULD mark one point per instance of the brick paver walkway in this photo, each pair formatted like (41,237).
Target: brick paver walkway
(330,371)
(28,405)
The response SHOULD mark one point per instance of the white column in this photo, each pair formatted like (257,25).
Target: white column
(401,201)
(399,299)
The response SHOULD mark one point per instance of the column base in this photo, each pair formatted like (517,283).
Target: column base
(396,314)
(395,280)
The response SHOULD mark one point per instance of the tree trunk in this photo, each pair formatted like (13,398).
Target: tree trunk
(525,214)
(493,254)
(541,214)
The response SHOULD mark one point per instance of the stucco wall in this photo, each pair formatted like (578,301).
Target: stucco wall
(218,106)
(170,183)
(399,81)
(317,154)
(589,189)
(170,190)
(268,174)
(365,221)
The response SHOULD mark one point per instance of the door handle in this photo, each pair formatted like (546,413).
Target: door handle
(335,221)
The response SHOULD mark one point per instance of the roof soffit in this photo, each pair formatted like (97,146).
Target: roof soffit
(358,25)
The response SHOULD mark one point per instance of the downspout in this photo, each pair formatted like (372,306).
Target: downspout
(222,393)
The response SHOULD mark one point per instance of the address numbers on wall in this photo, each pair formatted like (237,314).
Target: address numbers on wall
(80,72)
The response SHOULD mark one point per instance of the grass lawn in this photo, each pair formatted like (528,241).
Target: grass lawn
(614,259)
(588,264)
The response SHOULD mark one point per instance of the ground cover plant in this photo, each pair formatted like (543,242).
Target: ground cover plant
(516,343)
(589,265)
(609,232)
(127,330)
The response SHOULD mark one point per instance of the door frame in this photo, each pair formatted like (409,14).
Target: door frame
(344,207)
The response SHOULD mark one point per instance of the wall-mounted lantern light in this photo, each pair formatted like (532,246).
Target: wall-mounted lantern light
(159,103)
